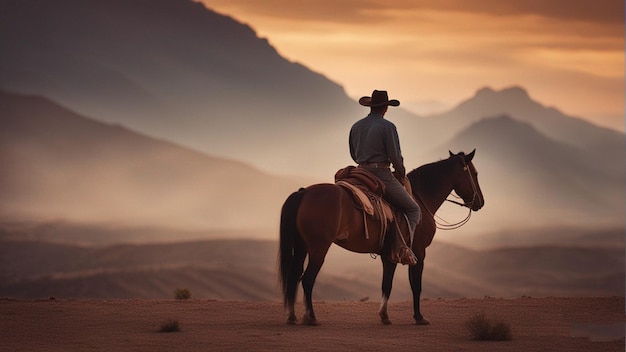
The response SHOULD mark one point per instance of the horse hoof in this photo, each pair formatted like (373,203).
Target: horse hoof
(292,321)
(422,322)
(385,321)
(306,320)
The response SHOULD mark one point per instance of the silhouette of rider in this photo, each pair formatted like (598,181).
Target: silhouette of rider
(375,146)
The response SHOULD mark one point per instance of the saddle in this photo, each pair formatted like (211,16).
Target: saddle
(367,191)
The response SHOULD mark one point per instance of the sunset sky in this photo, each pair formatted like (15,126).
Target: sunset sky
(432,54)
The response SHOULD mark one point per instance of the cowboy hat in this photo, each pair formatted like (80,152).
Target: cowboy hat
(378,98)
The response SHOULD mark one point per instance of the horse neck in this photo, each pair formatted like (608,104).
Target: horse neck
(432,183)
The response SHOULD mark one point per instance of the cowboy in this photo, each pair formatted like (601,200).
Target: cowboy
(375,146)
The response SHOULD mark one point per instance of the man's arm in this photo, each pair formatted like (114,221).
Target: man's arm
(352,149)
(393,149)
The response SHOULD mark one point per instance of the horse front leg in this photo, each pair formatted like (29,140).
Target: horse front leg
(389,268)
(415,279)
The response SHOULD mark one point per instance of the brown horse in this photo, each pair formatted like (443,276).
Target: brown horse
(315,217)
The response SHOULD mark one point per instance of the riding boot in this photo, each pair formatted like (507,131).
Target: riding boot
(401,252)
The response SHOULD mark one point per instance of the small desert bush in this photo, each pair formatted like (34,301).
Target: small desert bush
(170,326)
(182,293)
(482,328)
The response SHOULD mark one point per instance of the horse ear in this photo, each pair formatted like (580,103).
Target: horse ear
(451,153)
(470,156)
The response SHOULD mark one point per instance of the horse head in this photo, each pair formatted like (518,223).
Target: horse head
(466,181)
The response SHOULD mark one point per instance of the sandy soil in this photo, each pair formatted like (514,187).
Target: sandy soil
(538,324)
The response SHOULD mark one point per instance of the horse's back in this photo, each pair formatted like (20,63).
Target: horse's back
(322,201)
(328,213)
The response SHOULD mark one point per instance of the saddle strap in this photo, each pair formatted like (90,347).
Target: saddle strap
(382,209)
(379,209)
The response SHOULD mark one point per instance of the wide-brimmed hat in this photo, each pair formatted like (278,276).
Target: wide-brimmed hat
(378,98)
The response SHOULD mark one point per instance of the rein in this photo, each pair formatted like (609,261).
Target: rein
(448,226)
(444,225)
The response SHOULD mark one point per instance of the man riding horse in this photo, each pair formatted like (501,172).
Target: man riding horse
(375,146)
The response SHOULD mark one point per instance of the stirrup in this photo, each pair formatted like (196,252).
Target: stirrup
(403,256)
(407,256)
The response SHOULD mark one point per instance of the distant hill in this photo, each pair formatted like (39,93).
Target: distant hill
(57,164)
(246,270)
(530,180)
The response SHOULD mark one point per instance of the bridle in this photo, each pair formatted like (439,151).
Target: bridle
(443,224)
(474,188)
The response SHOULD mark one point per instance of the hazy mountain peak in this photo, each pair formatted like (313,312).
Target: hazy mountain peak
(515,91)
(515,95)
(512,92)
(501,128)
(484,91)
(515,102)
(503,120)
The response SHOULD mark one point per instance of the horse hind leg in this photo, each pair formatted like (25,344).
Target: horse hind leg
(294,279)
(316,259)
(297,267)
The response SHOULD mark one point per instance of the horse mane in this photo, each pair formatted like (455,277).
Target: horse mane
(428,176)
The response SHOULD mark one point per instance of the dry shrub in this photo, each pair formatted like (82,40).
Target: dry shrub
(182,294)
(170,326)
(482,328)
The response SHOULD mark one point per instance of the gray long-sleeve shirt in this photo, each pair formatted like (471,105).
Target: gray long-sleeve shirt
(375,140)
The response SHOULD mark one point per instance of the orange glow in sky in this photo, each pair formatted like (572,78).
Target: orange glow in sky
(433,54)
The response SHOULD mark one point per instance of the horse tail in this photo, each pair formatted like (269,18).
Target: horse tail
(292,249)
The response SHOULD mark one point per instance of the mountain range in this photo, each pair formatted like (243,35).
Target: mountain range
(136,110)
(174,70)
(65,166)
(60,165)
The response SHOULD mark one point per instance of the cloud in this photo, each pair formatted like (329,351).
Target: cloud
(350,11)
(600,11)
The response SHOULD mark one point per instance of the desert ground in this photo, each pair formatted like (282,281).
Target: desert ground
(537,324)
